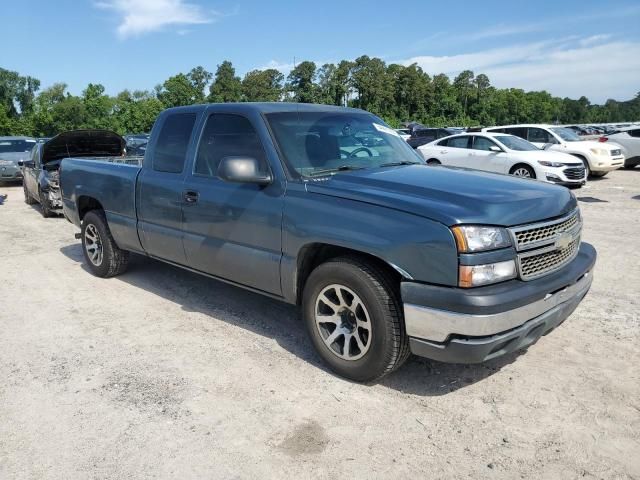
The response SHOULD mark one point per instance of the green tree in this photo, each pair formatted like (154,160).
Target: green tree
(97,107)
(373,86)
(177,91)
(262,86)
(301,83)
(226,86)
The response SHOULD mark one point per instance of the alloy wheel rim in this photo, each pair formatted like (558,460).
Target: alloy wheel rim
(93,245)
(522,172)
(343,322)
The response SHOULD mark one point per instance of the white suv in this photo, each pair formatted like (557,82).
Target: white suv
(629,141)
(503,153)
(598,158)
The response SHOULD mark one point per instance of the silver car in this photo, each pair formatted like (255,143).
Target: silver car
(12,151)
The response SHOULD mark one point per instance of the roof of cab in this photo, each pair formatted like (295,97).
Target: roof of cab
(269,107)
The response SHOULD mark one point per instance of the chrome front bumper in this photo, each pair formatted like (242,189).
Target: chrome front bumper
(437,325)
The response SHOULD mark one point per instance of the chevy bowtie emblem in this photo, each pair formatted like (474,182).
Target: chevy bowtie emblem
(564,240)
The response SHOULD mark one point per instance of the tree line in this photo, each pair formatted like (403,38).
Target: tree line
(397,93)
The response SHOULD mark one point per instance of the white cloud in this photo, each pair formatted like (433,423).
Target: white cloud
(143,16)
(593,66)
(282,67)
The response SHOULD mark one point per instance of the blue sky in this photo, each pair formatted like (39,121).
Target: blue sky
(569,48)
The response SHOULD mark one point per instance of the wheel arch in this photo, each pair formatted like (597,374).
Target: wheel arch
(314,254)
(521,163)
(87,203)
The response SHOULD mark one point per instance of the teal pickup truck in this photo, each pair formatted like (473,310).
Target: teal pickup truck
(328,208)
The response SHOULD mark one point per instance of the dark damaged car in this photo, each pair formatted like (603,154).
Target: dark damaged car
(41,172)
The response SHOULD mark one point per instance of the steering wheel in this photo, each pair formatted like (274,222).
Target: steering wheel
(358,150)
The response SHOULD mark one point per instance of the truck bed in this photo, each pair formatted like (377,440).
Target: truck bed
(112,182)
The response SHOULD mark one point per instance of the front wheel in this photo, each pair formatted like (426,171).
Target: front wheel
(354,318)
(101,253)
(45,206)
(523,171)
(28,199)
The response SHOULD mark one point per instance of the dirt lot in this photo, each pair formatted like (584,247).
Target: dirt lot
(161,373)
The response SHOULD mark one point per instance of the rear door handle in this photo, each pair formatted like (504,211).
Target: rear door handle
(190,196)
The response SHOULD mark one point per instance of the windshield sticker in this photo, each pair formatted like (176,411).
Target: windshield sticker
(383,129)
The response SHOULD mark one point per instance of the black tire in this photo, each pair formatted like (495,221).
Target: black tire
(433,162)
(28,199)
(522,166)
(114,260)
(45,209)
(598,174)
(388,345)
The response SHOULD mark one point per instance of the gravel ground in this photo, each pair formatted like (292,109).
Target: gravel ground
(161,373)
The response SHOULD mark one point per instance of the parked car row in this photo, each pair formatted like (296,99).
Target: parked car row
(536,155)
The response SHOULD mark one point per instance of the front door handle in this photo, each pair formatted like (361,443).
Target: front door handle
(190,196)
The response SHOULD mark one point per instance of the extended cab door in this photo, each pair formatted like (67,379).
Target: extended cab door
(233,230)
(160,187)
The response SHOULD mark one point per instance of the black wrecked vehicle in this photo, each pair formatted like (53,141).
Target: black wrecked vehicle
(41,172)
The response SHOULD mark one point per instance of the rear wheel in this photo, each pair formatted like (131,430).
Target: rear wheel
(101,253)
(354,318)
(28,199)
(522,170)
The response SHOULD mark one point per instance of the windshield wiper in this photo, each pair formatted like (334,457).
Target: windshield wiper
(341,168)
(396,164)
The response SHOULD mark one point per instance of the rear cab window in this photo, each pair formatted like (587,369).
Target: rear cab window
(171,148)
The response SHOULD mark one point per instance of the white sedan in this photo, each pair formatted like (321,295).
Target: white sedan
(504,153)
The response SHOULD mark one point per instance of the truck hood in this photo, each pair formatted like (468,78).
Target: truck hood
(451,196)
(83,143)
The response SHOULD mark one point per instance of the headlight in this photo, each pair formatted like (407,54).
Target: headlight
(599,151)
(550,164)
(477,275)
(475,238)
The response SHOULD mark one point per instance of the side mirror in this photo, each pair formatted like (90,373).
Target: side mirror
(27,163)
(547,146)
(243,170)
(495,149)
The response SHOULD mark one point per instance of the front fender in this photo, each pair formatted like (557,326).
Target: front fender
(424,249)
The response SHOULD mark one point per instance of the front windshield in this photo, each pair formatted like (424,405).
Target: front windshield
(15,146)
(316,143)
(516,143)
(566,134)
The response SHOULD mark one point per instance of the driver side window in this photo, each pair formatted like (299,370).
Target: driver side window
(483,143)
(227,135)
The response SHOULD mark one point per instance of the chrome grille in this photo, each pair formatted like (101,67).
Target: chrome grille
(576,173)
(529,236)
(547,246)
(538,264)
